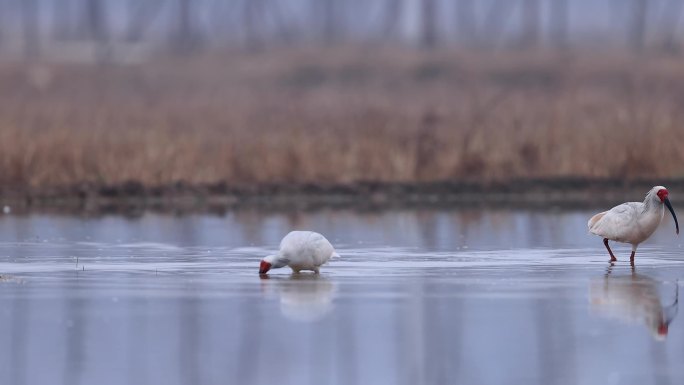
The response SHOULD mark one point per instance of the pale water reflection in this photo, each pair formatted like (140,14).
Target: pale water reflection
(303,297)
(418,297)
(635,298)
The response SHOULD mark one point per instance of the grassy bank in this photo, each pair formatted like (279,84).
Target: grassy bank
(323,118)
(135,198)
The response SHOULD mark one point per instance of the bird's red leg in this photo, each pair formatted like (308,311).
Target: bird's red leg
(612,257)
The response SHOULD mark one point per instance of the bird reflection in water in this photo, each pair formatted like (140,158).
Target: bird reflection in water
(303,297)
(633,298)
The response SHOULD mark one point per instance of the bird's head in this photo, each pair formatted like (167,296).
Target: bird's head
(264,266)
(272,262)
(662,194)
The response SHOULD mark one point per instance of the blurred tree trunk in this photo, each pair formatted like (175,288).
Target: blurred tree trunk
(31,28)
(252,13)
(187,38)
(673,14)
(559,21)
(465,21)
(325,16)
(329,18)
(428,38)
(496,20)
(530,23)
(140,16)
(392,19)
(184,20)
(63,19)
(183,39)
(96,20)
(638,29)
(98,29)
(285,31)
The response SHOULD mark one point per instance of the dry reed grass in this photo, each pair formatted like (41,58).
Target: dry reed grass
(316,116)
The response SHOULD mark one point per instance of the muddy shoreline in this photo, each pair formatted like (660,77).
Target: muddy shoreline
(132,197)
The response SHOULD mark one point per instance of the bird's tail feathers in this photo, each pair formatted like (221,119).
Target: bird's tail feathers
(594,220)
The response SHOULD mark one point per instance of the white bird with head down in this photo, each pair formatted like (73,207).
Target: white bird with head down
(632,222)
(300,250)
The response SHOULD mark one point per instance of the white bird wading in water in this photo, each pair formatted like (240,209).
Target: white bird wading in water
(301,250)
(632,222)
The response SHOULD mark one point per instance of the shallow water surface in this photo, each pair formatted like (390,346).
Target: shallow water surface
(418,297)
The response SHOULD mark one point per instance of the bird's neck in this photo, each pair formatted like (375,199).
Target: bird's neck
(654,210)
(280,261)
(652,203)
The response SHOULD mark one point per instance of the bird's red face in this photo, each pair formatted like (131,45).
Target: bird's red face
(662,194)
(662,330)
(264,267)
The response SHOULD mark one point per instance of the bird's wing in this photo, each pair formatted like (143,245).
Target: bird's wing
(615,223)
(294,247)
(292,240)
(321,249)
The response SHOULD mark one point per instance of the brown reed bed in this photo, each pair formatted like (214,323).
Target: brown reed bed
(312,116)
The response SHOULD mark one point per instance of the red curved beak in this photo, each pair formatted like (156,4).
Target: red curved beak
(264,267)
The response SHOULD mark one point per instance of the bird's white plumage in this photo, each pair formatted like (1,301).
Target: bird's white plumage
(631,222)
(304,250)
